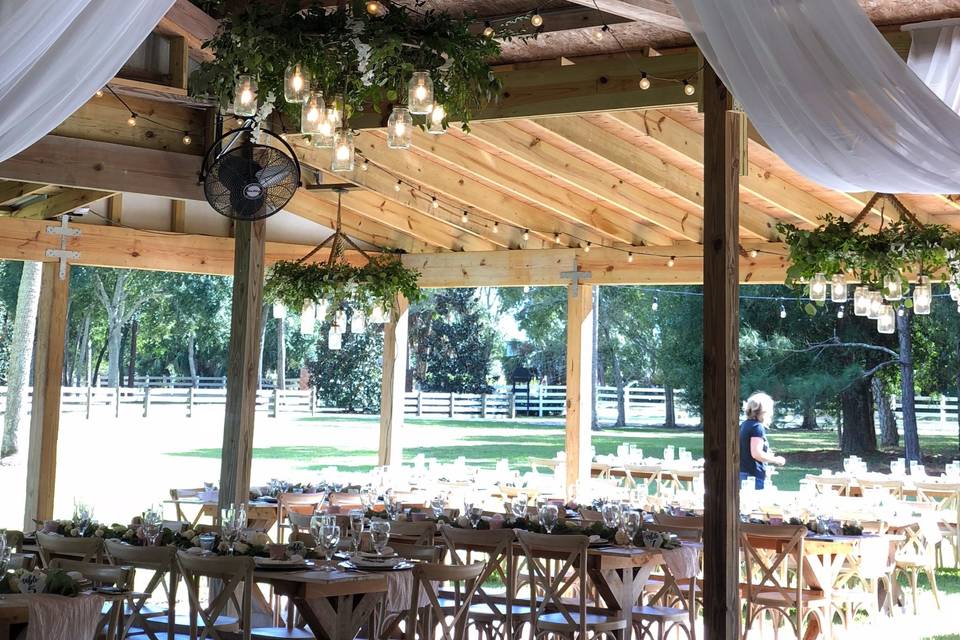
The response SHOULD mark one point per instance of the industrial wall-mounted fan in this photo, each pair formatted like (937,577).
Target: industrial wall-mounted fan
(245,180)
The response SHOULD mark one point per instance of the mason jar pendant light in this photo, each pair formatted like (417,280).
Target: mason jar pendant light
(922,296)
(358,322)
(400,128)
(245,96)
(818,288)
(279,311)
(308,318)
(312,113)
(296,84)
(378,315)
(334,339)
(892,287)
(322,307)
(437,115)
(886,319)
(323,138)
(838,288)
(343,151)
(420,93)
(861,301)
(954,292)
(876,303)
(335,112)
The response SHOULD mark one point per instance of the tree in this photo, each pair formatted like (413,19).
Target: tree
(18,368)
(120,304)
(350,377)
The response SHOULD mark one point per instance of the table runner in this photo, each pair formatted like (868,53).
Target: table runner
(62,618)
(682,562)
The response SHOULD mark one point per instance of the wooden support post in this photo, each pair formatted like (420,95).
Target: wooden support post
(579,399)
(721,367)
(242,363)
(115,209)
(178,216)
(179,64)
(45,407)
(392,396)
(146,401)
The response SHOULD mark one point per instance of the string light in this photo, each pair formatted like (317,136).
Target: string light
(435,203)
(536,19)
(586,247)
(397,186)
(526,288)
(365,166)
(132,120)
(99,93)
(526,234)
(630,256)
(644,81)
(783,312)
(556,238)
(601,32)
(376,8)
(656,303)
(688,88)
(496,227)
(754,253)
(465,217)
(186,138)
(840,312)
(671,261)
(488,31)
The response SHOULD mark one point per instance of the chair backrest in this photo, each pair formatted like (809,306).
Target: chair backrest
(25,561)
(497,546)
(161,564)
(52,545)
(305,503)
(180,494)
(413,532)
(418,552)
(342,499)
(299,521)
(450,620)
(236,572)
(830,484)
(547,464)
(892,487)
(101,575)
(572,553)
(945,495)
(687,527)
(767,551)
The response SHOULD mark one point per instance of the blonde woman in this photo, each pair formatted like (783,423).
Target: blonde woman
(755,452)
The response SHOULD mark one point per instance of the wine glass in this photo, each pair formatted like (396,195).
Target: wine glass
(328,541)
(356,529)
(437,505)
(611,513)
(380,535)
(82,517)
(520,505)
(549,514)
(152,523)
(632,521)
(475,515)
(229,523)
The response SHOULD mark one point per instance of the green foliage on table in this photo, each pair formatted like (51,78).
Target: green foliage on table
(368,59)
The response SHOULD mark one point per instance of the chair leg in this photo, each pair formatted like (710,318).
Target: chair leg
(932,579)
(913,588)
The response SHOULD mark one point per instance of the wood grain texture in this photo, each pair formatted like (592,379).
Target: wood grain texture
(579,399)
(60,202)
(721,367)
(243,363)
(45,410)
(393,384)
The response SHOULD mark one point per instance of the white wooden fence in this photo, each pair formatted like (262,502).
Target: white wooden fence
(198,382)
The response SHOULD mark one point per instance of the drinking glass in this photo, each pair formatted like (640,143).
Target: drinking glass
(632,521)
(549,514)
(380,535)
(82,517)
(230,523)
(467,507)
(611,515)
(437,505)
(519,505)
(356,529)
(328,541)
(152,523)
(475,515)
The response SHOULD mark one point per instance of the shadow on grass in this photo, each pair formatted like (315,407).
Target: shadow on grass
(295,453)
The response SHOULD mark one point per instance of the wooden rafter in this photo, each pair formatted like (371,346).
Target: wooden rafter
(55,204)
(658,12)
(13,190)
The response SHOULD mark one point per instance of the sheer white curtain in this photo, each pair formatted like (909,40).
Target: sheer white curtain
(55,54)
(829,94)
(935,57)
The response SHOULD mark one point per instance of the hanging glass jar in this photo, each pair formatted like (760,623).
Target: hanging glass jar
(437,115)
(312,114)
(886,319)
(308,318)
(400,128)
(876,302)
(245,96)
(336,112)
(922,296)
(954,291)
(296,84)
(334,339)
(340,320)
(378,315)
(322,307)
(358,322)
(818,288)
(420,93)
(279,311)
(838,287)
(323,138)
(861,301)
(343,151)
(892,287)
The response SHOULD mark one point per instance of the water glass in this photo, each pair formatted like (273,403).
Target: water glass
(519,505)
(437,505)
(380,535)
(328,541)
(549,514)
(356,529)
(611,513)
(152,523)
(475,515)
(632,521)
(82,517)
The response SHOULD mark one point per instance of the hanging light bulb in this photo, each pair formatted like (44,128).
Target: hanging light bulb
(186,139)
(586,247)
(312,113)
(901,311)
(536,19)
(334,339)
(376,8)
(672,261)
(840,312)
(435,203)
(245,96)
(132,120)
(496,227)
(783,312)
(556,238)
(437,116)
(922,296)
(323,138)
(358,322)
(656,303)
(526,288)
(876,304)
(420,93)
(99,93)
(630,256)
(886,319)
(365,166)
(601,32)
(308,318)
(488,31)
(754,253)
(644,81)
(861,301)
(397,186)
(526,234)
(465,217)
(818,288)
(340,320)
(688,89)
(400,128)
(296,84)
(279,311)
(838,287)
(892,286)
(343,151)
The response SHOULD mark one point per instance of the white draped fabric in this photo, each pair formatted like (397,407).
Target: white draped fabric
(935,57)
(55,54)
(828,93)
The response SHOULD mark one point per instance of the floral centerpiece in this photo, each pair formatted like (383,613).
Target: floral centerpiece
(51,581)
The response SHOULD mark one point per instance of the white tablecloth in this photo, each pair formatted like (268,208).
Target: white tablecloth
(61,618)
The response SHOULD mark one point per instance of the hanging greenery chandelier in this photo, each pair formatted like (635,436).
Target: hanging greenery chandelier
(830,257)
(323,65)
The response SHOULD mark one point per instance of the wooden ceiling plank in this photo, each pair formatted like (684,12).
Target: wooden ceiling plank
(584,176)
(656,12)
(602,144)
(186,20)
(14,189)
(63,201)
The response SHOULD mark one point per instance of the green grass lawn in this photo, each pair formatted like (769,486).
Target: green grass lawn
(484,442)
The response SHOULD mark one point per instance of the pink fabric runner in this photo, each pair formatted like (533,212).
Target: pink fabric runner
(62,618)
(682,562)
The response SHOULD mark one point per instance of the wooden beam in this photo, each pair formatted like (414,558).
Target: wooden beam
(45,411)
(178,216)
(393,384)
(14,190)
(115,209)
(579,402)
(109,167)
(657,12)
(243,359)
(64,201)
(721,365)
(186,20)
(179,62)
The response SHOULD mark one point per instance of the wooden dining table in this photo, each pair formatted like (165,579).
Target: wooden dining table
(262,516)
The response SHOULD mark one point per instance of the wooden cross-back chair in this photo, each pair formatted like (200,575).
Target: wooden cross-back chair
(179,494)
(161,564)
(945,496)
(646,473)
(548,464)
(831,484)
(302,504)
(554,614)
(894,488)
(413,532)
(492,617)
(235,572)
(54,546)
(917,554)
(448,617)
(25,561)
(102,575)
(775,583)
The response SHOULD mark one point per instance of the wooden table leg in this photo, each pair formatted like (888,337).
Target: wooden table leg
(338,617)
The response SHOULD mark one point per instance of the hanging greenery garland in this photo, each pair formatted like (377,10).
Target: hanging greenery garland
(363,51)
